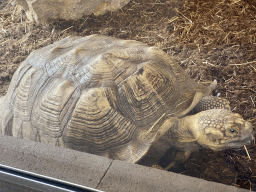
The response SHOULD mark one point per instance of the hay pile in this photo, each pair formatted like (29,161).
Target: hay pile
(210,39)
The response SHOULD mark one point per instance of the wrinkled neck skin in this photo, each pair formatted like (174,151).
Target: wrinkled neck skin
(184,134)
(180,136)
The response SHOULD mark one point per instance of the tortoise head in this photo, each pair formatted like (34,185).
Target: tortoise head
(221,129)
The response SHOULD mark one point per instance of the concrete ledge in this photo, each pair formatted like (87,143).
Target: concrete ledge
(123,176)
(65,164)
(97,172)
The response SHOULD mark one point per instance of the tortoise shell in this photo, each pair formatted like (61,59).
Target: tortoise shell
(96,94)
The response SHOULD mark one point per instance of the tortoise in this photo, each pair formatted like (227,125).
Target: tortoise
(119,99)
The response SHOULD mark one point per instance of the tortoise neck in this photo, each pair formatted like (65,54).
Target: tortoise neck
(187,129)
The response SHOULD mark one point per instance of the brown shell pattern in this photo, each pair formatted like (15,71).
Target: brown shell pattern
(95,94)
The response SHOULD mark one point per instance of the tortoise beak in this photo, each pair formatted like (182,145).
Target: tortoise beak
(248,140)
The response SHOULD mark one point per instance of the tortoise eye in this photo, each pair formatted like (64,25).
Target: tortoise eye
(232,131)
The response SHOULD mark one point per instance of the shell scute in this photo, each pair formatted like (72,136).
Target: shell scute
(95,125)
(139,102)
(51,106)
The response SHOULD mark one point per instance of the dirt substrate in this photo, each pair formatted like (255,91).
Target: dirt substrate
(210,39)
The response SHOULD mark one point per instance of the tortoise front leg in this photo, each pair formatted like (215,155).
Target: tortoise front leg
(211,102)
(173,157)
